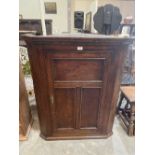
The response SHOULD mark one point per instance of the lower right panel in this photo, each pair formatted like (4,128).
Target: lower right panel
(89,109)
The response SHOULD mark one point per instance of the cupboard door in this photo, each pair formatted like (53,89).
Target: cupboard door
(76,82)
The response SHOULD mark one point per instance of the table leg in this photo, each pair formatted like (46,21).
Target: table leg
(131,121)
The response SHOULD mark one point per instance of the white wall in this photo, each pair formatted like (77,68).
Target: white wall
(93,9)
(30,9)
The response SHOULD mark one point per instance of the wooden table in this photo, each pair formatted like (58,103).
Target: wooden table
(127,112)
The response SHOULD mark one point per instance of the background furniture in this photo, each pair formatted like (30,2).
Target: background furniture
(35,25)
(25,117)
(78,19)
(128,74)
(131,28)
(127,111)
(107,19)
(76,83)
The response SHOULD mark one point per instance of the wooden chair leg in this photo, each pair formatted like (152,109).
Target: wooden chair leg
(120,102)
(131,121)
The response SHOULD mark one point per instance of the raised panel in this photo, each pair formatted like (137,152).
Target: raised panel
(89,110)
(78,69)
(64,108)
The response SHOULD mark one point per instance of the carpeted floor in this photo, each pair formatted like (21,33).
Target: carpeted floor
(118,144)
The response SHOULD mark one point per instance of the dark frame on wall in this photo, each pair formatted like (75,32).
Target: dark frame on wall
(50,7)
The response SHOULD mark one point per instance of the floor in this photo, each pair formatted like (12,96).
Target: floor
(118,144)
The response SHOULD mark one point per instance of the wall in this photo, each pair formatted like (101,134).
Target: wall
(93,9)
(79,5)
(31,9)
(127,8)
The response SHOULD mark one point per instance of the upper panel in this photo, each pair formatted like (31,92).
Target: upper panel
(78,69)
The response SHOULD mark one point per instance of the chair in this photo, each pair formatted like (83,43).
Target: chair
(126,109)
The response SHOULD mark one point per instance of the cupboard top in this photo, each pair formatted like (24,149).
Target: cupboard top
(79,37)
(73,43)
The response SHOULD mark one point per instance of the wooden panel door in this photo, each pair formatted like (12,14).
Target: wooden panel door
(76,85)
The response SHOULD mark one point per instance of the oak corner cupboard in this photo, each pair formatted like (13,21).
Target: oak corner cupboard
(76,82)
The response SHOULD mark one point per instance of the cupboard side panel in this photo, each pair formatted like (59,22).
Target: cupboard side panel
(117,70)
(39,74)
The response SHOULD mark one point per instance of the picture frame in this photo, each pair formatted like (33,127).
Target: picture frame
(50,7)
(127,29)
(88,22)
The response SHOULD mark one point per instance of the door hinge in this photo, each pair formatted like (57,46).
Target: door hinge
(52,99)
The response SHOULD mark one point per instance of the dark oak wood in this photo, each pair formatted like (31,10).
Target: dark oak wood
(76,82)
(25,117)
(35,25)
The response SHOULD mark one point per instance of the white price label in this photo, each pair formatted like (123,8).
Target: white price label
(80,48)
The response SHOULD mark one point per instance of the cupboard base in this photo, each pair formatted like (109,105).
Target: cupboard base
(76,137)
